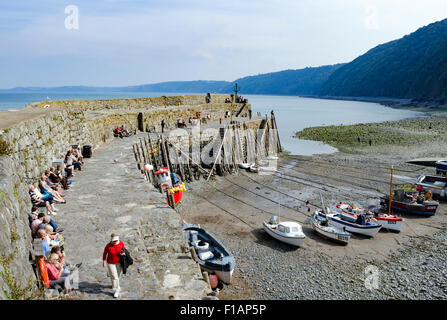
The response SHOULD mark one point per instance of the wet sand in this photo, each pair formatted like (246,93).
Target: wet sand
(233,208)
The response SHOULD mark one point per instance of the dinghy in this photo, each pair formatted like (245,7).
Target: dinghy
(320,224)
(360,226)
(212,255)
(288,231)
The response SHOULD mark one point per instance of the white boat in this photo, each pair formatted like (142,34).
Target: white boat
(245,165)
(319,223)
(254,168)
(289,232)
(363,227)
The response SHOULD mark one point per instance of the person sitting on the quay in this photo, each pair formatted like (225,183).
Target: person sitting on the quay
(53,185)
(79,155)
(53,238)
(57,177)
(36,223)
(68,268)
(39,200)
(69,168)
(46,248)
(58,278)
(48,221)
(75,160)
(46,190)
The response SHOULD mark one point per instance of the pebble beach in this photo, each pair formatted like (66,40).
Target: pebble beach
(406,265)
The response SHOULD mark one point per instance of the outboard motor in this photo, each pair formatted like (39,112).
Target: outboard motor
(273,220)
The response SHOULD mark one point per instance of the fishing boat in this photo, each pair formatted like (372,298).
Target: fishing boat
(360,226)
(409,203)
(387,221)
(166,185)
(320,224)
(289,232)
(212,255)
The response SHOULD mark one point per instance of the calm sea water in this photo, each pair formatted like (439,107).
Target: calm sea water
(292,113)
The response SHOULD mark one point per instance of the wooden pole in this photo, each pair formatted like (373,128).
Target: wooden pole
(391,190)
(190,159)
(217,157)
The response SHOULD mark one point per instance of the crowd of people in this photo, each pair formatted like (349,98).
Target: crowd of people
(123,132)
(44,194)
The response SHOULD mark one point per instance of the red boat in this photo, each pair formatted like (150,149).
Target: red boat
(391,222)
(165,185)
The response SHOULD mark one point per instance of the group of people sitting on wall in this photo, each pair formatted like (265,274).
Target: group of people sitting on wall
(241,99)
(123,132)
(44,194)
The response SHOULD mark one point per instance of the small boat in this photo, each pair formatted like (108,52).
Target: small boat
(390,222)
(254,168)
(360,226)
(166,185)
(288,232)
(319,223)
(410,203)
(245,165)
(212,255)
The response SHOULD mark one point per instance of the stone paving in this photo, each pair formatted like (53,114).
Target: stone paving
(111,196)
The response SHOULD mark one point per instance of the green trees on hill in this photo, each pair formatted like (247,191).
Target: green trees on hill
(414,66)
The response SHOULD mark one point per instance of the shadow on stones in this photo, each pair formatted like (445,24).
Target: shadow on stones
(95,288)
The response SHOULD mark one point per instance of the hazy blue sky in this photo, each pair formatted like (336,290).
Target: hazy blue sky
(128,42)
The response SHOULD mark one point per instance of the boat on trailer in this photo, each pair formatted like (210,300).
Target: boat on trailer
(320,224)
(212,255)
(288,231)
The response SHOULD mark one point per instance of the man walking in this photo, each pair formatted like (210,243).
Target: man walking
(112,253)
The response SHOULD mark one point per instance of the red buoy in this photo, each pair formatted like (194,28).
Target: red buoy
(214,281)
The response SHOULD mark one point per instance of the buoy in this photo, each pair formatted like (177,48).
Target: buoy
(214,281)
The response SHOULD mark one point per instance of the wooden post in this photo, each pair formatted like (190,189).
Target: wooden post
(391,191)
(217,157)
(279,148)
(143,152)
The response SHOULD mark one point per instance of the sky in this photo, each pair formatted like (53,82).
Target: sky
(130,42)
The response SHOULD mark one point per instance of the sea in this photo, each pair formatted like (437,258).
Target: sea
(292,113)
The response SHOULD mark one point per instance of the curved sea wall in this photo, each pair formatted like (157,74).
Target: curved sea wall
(29,147)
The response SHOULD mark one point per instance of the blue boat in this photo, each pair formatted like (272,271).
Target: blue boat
(212,255)
(441,167)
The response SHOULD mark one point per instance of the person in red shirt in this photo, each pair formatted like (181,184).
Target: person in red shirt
(111,256)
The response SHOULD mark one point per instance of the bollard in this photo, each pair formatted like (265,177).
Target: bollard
(207,278)
(193,254)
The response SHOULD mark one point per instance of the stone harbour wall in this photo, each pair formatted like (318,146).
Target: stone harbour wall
(29,147)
